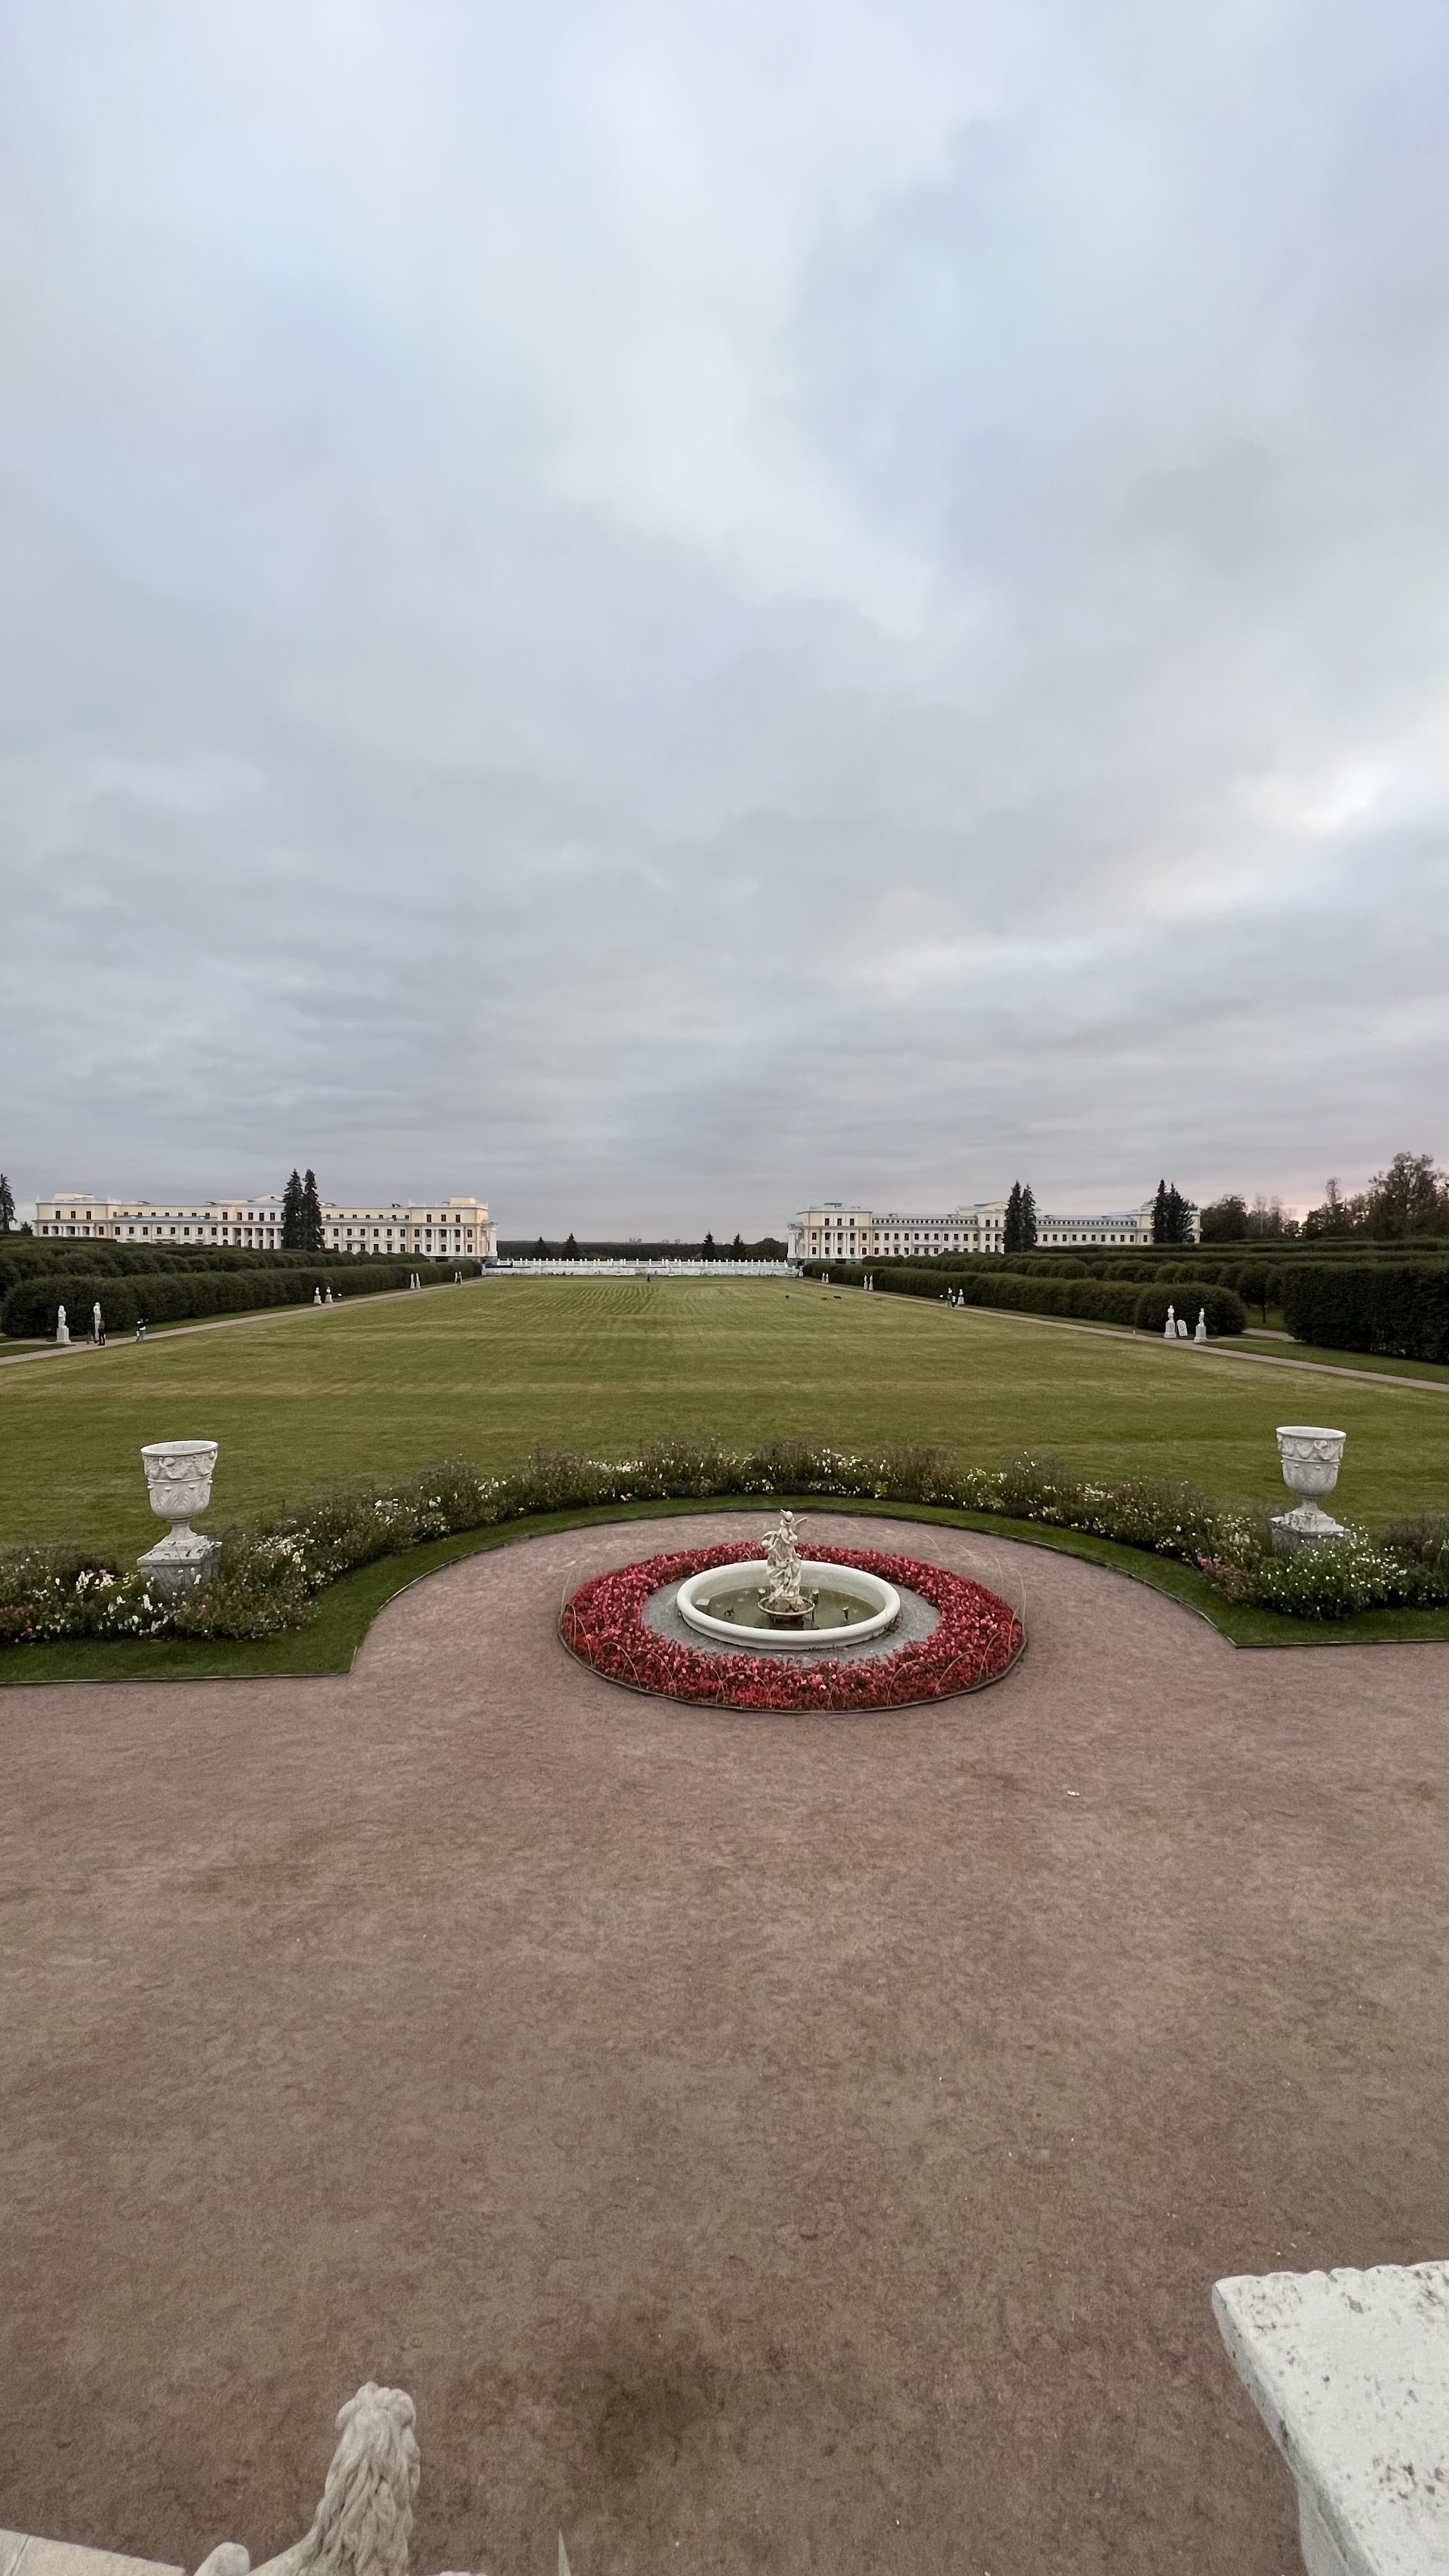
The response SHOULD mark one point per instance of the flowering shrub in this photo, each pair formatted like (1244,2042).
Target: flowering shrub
(267,1577)
(1333,1578)
(47,1593)
(975,1638)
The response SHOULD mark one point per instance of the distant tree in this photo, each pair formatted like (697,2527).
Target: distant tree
(1226,1220)
(737,1248)
(1028,1218)
(709,1249)
(1337,1215)
(1011,1230)
(311,1215)
(7,1205)
(540,1250)
(1170,1213)
(1411,1197)
(292,1215)
(1269,1221)
(571,1250)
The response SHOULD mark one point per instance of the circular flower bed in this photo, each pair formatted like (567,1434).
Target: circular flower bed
(975,1640)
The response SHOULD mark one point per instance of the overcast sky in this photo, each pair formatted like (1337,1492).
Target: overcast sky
(660,611)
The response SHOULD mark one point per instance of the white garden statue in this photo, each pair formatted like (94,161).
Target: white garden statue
(62,1328)
(1169,1329)
(1201,1334)
(783,1595)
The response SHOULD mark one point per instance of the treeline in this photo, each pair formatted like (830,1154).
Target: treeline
(767,1248)
(177,1295)
(1409,1199)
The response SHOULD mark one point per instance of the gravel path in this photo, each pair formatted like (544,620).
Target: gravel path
(759,2143)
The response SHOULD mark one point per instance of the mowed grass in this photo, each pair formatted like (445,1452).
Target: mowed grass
(490,1370)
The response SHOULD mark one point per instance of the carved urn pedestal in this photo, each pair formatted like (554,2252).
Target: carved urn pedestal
(1310,1458)
(178,1475)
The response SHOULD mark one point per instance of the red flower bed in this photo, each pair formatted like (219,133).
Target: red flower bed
(975,1639)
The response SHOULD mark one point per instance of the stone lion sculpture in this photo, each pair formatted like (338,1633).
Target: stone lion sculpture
(362,2525)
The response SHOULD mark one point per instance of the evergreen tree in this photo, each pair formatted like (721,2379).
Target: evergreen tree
(708,1250)
(292,1215)
(540,1250)
(571,1250)
(1028,1219)
(1011,1231)
(7,1205)
(1170,1212)
(311,1215)
(737,1248)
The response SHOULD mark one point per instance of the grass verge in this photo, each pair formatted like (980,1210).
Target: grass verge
(1373,1363)
(306,1401)
(347,1609)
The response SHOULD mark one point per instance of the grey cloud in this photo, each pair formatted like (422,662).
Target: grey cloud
(920,660)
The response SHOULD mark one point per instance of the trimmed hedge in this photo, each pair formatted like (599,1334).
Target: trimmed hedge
(1096,1301)
(1401,1312)
(173,1297)
(1225,1312)
(23,1259)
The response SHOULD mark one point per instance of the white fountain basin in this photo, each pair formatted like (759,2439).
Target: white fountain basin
(700,1595)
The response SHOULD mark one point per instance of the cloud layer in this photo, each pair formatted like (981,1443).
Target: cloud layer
(659,613)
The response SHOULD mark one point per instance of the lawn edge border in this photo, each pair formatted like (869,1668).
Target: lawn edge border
(347,1609)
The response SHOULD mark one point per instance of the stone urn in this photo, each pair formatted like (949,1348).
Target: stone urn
(1310,1458)
(178,1479)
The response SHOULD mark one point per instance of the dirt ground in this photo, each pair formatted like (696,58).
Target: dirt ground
(759,2143)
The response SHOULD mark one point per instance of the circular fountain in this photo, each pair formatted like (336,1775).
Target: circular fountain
(733,1628)
(784,1600)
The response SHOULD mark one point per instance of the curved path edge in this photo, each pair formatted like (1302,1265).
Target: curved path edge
(347,1609)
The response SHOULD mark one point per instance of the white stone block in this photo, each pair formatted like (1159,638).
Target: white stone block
(21,2554)
(1350,2373)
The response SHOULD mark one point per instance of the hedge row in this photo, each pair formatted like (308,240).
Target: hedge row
(1098,1301)
(170,1297)
(1223,1308)
(22,1259)
(1401,1312)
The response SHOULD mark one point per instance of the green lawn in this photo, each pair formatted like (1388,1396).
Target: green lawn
(303,1399)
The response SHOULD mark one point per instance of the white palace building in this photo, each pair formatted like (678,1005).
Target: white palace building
(835,1232)
(447,1226)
